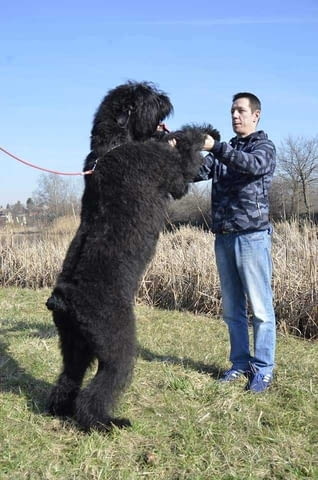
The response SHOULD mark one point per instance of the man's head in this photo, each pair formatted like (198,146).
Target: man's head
(245,112)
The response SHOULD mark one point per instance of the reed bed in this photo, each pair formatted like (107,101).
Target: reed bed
(183,273)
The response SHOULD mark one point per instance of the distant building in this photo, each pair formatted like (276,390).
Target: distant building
(5,217)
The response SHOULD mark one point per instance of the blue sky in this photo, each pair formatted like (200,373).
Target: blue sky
(58,59)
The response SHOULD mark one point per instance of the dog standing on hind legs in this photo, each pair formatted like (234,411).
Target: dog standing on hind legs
(136,171)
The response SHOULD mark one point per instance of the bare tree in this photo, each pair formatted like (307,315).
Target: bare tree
(298,165)
(59,195)
(280,199)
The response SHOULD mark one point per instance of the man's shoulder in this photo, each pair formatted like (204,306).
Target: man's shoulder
(260,136)
(252,140)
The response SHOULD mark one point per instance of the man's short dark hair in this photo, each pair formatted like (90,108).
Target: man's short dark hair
(255,102)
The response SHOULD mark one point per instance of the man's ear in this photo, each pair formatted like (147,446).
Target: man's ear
(257,115)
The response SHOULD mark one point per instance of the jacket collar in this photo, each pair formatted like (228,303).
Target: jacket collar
(252,137)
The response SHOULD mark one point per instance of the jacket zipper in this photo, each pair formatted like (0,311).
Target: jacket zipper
(258,207)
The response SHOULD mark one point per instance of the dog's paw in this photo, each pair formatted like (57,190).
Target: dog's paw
(61,402)
(60,408)
(213,132)
(121,422)
(104,425)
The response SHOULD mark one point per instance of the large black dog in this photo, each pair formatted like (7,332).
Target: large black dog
(136,171)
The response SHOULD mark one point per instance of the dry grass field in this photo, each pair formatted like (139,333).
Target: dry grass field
(183,274)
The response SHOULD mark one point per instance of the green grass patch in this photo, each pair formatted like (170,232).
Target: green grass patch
(185,424)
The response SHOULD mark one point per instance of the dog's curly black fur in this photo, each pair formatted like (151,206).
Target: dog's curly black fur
(123,212)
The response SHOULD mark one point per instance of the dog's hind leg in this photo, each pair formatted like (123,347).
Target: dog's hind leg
(77,356)
(116,354)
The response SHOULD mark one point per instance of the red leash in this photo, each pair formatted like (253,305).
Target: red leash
(88,172)
(161,127)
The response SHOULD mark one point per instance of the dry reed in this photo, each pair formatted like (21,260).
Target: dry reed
(183,274)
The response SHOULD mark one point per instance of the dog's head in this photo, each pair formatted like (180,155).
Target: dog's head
(129,112)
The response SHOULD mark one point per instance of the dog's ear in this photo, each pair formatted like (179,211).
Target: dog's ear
(165,105)
(150,108)
(123,118)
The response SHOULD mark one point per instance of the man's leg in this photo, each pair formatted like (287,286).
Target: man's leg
(233,300)
(255,267)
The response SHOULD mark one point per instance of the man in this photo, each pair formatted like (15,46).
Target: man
(241,173)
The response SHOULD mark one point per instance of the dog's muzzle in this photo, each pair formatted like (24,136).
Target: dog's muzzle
(162,127)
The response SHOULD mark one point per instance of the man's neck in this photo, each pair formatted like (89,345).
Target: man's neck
(246,134)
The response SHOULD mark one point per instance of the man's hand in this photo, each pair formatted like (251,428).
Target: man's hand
(172,142)
(208,144)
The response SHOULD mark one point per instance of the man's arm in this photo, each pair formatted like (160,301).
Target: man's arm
(206,170)
(257,162)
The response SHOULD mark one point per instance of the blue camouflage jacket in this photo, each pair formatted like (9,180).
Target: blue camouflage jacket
(241,173)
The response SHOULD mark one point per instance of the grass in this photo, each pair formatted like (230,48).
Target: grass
(182,274)
(185,424)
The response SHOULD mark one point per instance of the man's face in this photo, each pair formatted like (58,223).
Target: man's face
(244,121)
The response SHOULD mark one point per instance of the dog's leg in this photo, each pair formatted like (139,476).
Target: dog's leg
(116,354)
(77,356)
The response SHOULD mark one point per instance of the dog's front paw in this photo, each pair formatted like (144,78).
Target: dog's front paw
(213,132)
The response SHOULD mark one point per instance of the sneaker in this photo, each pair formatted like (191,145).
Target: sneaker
(259,382)
(231,375)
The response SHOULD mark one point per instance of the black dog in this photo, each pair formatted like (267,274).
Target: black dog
(136,171)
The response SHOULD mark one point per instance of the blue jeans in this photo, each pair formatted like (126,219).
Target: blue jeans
(245,269)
